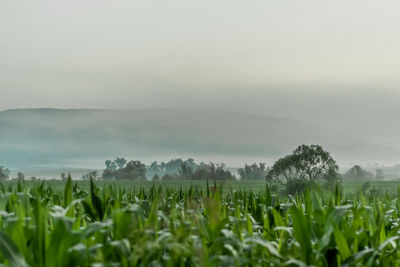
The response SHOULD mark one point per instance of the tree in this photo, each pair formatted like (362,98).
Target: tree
(4,173)
(120,162)
(186,171)
(306,164)
(253,172)
(212,171)
(134,170)
(108,174)
(173,167)
(110,165)
(154,168)
(357,173)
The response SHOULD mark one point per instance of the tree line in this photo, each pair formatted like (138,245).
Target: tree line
(175,169)
(306,164)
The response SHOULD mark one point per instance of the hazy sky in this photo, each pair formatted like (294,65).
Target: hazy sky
(317,60)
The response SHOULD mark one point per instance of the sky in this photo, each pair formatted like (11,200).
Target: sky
(332,63)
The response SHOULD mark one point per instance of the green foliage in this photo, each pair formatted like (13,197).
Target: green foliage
(172,167)
(307,164)
(194,224)
(10,251)
(178,169)
(253,172)
(134,170)
(210,171)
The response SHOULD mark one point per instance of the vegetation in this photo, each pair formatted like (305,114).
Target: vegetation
(180,219)
(204,171)
(73,225)
(175,169)
(307,164)
(253,172)
(357,173)
(134,170)
(172,167)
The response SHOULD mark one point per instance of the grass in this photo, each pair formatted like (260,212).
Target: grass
(58,223)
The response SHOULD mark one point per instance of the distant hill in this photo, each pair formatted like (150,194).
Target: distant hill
(47,136)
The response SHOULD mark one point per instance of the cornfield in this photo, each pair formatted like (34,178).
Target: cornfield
(41,225)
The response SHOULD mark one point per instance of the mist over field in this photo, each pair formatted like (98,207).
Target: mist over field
(37,140)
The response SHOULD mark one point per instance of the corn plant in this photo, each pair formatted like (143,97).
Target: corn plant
(209,225)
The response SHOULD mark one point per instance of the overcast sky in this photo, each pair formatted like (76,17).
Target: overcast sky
(311,60)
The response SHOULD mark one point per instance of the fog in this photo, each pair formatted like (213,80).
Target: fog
(332,66)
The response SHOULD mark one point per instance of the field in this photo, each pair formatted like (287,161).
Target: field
(348,187)
(59,223)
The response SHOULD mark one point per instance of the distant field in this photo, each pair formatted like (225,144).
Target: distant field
(348,187)
(129,185)
(382,186)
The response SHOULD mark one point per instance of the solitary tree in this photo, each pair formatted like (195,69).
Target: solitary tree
(306,163)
